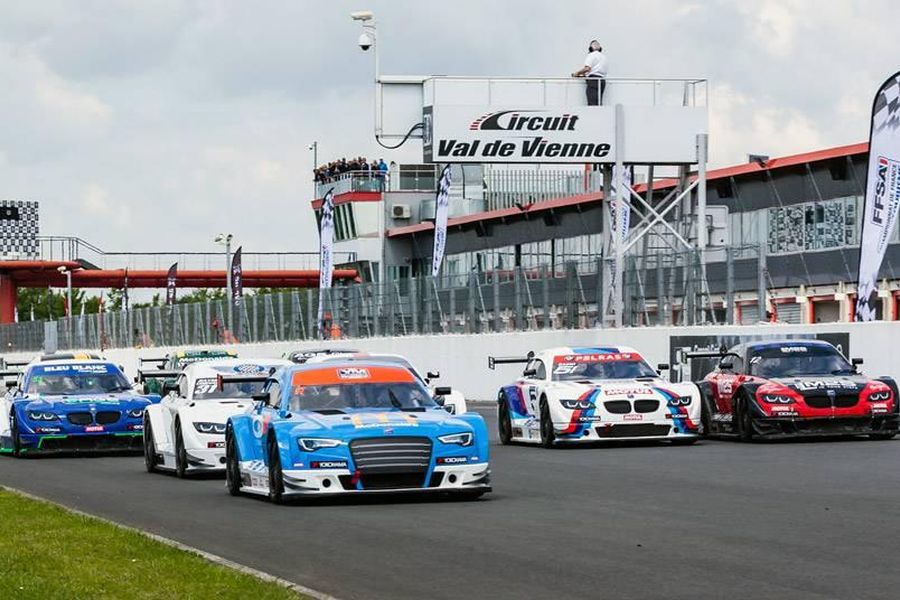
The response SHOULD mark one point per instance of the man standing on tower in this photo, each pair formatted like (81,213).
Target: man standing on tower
(594,69)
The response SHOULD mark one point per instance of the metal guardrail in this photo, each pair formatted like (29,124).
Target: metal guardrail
(60,248)
(548,296)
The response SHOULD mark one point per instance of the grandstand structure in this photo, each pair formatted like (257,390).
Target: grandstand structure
(783,237)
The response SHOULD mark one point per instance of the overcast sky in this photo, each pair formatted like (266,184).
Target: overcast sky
(154,124)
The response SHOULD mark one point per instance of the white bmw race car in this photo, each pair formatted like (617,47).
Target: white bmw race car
(185,432)
(589,394)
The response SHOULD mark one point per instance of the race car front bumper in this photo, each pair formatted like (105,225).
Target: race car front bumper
(774,427)
(34,443)
(206,459)
(656,429)
(469,478)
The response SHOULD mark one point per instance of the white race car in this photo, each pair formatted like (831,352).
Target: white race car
(453,401)
(589,394)
(186,431)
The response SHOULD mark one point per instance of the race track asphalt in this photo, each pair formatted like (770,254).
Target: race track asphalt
(720,519)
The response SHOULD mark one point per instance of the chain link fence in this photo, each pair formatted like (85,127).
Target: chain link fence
(659,289)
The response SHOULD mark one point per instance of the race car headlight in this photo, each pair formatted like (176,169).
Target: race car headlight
(680,401)
(313,444)
(135,413)
(777,399)
(880,396)
(210,428)
(42,416)
(576,404)
(460,439)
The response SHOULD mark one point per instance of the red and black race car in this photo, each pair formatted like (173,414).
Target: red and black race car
(794,388)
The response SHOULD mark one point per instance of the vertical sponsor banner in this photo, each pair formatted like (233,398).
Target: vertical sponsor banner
(326,257)
(237,278)
(620,221)
(171,284)
(882,194)
(441,211)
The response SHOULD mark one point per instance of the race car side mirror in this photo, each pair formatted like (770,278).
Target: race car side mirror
(434,375)
(12,385)
(662,367)
(856,361)
(443,391)
(529,372)
(260,398)
(726,366)
(169,388)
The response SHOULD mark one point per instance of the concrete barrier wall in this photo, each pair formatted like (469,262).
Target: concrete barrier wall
(462,359)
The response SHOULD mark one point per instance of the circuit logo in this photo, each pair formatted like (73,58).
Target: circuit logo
(523,120)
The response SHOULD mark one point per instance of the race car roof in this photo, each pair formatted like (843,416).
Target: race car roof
(567,350)
(212,353)
(758,344)
(349,373)
(72,361)
(233,366)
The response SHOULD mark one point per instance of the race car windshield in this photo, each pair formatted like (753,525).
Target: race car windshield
(77,384)
(208,389)
(791,361)
(613,369)
(341,396)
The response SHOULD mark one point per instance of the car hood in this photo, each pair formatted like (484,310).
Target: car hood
(216,411)
(379,422)
(64,404)
(823,383)
(618,389)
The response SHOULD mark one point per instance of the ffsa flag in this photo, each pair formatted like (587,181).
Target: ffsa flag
(171,284)
(882,194)
(326,257)
(441,211)
(237,277)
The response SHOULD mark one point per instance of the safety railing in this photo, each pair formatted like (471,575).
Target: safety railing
(572,294)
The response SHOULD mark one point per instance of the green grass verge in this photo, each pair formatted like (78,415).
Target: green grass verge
(47,552)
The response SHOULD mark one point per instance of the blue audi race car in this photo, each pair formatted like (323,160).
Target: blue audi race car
(71,404)
(354,427)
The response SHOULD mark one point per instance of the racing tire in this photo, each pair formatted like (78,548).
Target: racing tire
(149,448)
(744,420)
(504,424)
(14,432)
(180,453)
(232,465)
(276,477)
(705,421)
(883,436)
(548,435)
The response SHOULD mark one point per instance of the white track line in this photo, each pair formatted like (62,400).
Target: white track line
(213,558)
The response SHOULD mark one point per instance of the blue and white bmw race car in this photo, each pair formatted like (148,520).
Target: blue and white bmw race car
(590,394)
(69,403)
(354,427)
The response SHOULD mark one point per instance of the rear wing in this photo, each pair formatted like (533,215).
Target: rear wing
(221,380)
(160,362)
(17,363)
(9,373)
(709,354)
(143,376)
(508,360)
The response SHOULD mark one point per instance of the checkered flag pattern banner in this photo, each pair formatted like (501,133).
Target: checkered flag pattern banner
(882,201)
(887,106)
(19,228)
